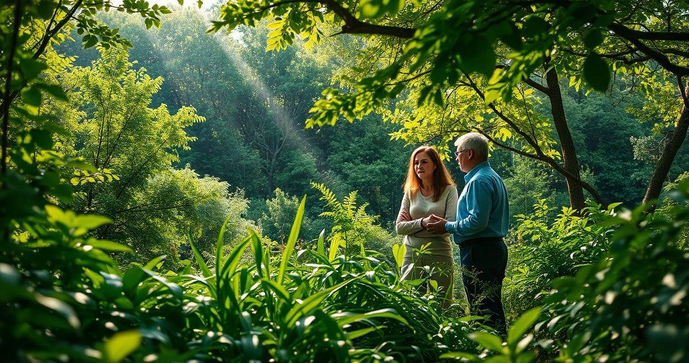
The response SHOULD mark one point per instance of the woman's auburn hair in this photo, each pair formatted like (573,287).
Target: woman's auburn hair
(441,177)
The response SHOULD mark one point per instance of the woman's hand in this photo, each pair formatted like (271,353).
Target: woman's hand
(436,225)
(404,216)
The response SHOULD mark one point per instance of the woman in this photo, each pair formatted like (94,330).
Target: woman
(428,190)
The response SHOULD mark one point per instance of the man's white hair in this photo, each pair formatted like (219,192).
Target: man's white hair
(476,142)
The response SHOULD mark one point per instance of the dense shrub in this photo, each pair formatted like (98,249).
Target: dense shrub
(542,250)
(631,304)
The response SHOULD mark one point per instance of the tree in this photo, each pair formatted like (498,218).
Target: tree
(27,31)
(132,148)
(495,51)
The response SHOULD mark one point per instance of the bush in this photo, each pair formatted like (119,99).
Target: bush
(632,303)
(543,250)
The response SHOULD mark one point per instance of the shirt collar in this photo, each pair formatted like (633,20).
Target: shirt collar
(477,167)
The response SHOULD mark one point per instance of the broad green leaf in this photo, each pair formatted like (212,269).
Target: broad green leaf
(291,241)
(108,245)
(478,56)
(523,324)
(60,307)
(593,38)
(31,96)
(91,221)
(44,140)
(121,345)
(54,90)
(488,341)
(398,251)
(596,72)
(31,68)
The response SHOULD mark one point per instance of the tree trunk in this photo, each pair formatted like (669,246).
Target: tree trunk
(662,168)
(569,155)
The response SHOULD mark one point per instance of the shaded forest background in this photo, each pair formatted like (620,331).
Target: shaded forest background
(252,141)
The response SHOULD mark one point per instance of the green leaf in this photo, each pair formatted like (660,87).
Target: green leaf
(154,262)
(54,90)
(91,221)
(108,245)
(60,307)
(174,288)
(321,243)
(534,26)
(31,68)
(42,139)
(398,251)
(371,8)
(593,38)
(458,355)
(121,345)
(220,243)
(258,252)
(292,240)
(478,56)
(199,259)
(89,41)
(31,96)
(488,341)
(596,72)
(523,324)
(280,291)
(313,302)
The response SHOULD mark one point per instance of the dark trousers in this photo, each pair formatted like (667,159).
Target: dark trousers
(484,261)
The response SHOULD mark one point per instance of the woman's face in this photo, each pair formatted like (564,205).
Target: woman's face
(424,166)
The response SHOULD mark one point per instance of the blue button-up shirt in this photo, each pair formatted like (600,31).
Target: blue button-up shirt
(483,209)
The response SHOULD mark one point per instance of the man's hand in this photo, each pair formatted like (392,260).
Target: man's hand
(436,225)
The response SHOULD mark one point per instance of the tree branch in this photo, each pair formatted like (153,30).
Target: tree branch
(536,85)
(662,59)
(356,26)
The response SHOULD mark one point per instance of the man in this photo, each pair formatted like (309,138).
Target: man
(482,222)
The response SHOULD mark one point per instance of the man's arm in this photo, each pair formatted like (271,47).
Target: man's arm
(479,200)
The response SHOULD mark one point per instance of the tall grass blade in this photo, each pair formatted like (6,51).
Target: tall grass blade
(321,243)
(312,302)
(258,252)
(291,241)
(199,259)
(332,251)
(220,244)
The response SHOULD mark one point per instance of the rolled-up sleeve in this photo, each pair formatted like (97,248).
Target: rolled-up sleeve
(407,227)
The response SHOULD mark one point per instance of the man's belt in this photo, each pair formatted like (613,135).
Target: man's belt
(473,241)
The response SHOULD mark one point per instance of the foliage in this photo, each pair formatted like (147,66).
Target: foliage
(354,230)
(630,304)
(526,186)
(64,298)
(543,250)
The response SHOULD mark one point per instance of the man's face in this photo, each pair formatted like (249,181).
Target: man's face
(462,156)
